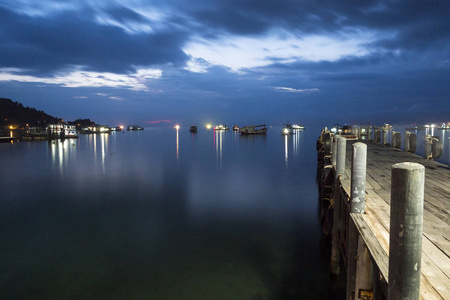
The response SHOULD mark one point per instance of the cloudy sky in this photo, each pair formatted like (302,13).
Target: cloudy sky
(228,61)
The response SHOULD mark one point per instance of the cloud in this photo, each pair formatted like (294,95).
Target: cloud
(291,90)
(217,55)
(48,45)
(278,46)
(80,78)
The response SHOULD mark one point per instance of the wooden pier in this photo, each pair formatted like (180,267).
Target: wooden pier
(362,240)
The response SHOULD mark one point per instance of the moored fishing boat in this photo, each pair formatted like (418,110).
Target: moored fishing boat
(193,129)
(134,127)
(287,129)
(221,127)
(249,130)
(297,127)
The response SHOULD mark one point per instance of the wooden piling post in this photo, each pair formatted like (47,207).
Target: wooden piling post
(428,146)
(340,171)
(357,204)
(358,179)
(405,242)
(384,136)
(407,141)
(377,136)
(397,140)
(334,150)
(340,158)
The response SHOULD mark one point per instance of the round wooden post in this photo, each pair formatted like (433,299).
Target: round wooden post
(357,204)
(384,137)
(405,243)
(397,140)
(334,150)
(428,146)
(393,138)
(340,158)
(407,141)
(358,180)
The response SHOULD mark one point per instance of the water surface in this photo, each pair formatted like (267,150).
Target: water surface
(161,214)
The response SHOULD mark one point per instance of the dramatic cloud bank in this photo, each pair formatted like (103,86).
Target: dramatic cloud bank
(230,61)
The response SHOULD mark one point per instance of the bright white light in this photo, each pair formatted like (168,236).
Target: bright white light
(177,127)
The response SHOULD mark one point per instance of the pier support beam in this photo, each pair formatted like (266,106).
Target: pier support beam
(340,171)
(364,273)
(405,243)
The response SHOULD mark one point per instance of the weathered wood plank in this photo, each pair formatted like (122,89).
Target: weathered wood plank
(374,225)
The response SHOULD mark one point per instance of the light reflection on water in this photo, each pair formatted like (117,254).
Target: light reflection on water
(162,214)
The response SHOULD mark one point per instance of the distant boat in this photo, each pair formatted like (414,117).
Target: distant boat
(71,134)
(297,127)
(221,127)
(6,139)
(235,128)
(134,127)
(287,129)
(193,129)
(248,130)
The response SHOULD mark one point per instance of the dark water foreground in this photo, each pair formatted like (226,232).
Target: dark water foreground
(161,215)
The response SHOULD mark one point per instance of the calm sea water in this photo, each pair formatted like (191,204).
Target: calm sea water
(161,214)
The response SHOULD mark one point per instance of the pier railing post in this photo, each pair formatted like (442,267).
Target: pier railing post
(340,158)
(334,150)
(428,141)
(393,138)
(397,140)
(377,136)
(340,171)
(405,242)
(384,136)
(357,204)
(358,179)
(407,141)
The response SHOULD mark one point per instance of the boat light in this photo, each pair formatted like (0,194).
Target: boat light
(177,127)
(208,126)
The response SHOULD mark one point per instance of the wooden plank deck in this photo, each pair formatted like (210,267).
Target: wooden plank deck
(435,282)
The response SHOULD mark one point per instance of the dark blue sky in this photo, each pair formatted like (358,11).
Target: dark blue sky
(228,61)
